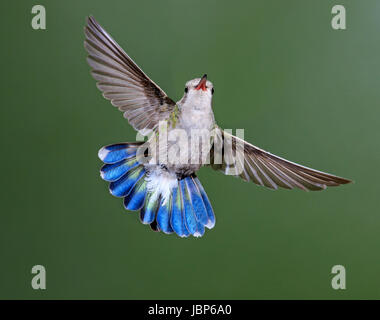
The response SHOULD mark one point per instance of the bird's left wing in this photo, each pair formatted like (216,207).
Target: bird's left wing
(264,168)
(143,102)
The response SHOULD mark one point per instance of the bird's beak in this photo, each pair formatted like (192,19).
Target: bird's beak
(202,83)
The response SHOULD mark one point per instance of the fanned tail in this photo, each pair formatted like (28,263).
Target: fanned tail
(166,203)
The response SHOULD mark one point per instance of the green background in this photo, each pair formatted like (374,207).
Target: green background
(299,89)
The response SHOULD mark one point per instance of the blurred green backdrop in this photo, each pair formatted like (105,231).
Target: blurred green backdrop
(299,89)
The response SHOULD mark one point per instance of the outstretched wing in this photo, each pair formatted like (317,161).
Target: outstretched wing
(264,168)
(143,102)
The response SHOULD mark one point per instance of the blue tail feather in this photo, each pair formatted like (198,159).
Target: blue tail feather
(189,217)
(201,230)
(192,224)
(210,212)
(136,197)
(196,201)
(148,211)
(114,171)
(163,216)
(177,216)
(117,152)
(121,187)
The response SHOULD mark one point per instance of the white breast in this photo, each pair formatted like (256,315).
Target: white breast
(196,114)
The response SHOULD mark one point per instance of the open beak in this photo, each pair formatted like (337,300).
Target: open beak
(202,83)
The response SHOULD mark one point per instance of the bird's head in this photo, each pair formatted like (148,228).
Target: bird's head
(198,92)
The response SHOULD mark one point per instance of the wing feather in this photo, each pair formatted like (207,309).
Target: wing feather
(122,82)
(266,169)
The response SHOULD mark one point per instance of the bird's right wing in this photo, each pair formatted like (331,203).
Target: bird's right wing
(264,168)
(143,102)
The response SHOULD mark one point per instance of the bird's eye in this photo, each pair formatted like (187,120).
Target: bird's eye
(186,89)
(212,91)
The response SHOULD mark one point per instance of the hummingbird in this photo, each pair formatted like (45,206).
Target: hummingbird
(169,195)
